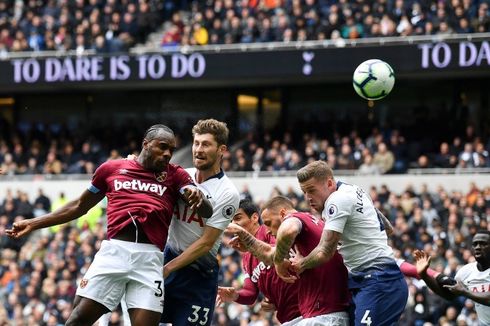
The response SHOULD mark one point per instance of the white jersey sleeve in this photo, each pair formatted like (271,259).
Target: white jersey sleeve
(337,211)
(224,208)
(476,281)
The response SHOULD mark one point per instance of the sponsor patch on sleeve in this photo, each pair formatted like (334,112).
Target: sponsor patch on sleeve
(332,210)
(228,211)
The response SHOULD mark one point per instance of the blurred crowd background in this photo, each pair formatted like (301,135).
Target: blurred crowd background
(117,25)
(59,149)
(39,274)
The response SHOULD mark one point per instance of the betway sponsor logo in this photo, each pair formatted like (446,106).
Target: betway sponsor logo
(140,186)
(257,270)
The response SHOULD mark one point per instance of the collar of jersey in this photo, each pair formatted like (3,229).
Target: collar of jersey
(218,175)
(339,183)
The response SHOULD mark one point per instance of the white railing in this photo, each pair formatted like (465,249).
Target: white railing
(269,46)
(252,174)
(261,185)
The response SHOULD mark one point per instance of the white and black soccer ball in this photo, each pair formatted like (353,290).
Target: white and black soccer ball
(373,79)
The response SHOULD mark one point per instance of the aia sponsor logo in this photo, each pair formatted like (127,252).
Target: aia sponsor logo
(480,288)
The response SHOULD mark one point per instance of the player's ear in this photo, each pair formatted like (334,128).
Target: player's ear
(145,143)
(282,212)
(222,149)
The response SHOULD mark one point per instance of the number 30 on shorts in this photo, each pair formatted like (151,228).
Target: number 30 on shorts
(198,316)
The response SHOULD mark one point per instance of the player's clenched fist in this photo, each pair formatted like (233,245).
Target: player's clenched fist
(19,229)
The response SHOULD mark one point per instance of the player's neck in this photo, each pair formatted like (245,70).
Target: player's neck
(482,266)
(255,229)
(203,175)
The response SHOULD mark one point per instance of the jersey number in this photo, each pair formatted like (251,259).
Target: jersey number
(159,292)
(195,315)
(366,319)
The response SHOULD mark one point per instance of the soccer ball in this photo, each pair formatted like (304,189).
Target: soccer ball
(373,79)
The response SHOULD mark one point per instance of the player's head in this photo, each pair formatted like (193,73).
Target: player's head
(481,247)
(210,140)
(317,183)
(274,211)
(247,216)
(158,147)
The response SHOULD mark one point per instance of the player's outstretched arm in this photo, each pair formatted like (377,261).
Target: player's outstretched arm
(200,247)
(68,212)
(261,250)
(460,289)
(422,262)
(247,295)
(226,294)
(321,254)
(286,235)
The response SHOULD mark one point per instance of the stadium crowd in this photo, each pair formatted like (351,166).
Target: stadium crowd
(227,21)
(113,26)
(99,25)
(39,275)
(56,149)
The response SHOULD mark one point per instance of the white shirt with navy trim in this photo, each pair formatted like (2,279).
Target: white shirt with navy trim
(363,244)
(186,227)
(476,281)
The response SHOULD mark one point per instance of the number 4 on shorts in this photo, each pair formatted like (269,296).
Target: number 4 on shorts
(366,319)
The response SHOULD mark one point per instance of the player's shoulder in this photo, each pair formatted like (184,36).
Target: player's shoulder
(224,187)
(344,194)
(229,187)
(466,270)
(175,167)
(114,165)
(302,216)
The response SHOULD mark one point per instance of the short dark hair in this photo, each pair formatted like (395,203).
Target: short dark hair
(214,127)
(278,202)
(155,131)
(249,208)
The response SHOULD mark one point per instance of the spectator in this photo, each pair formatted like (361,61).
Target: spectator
(368,167)
(384,158)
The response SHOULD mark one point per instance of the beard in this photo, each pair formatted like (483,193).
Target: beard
(203,165)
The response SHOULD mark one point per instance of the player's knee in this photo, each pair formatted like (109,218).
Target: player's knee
(78,319)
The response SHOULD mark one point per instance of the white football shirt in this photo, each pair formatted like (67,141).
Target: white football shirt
(476,281)
(363,244)
(186,226)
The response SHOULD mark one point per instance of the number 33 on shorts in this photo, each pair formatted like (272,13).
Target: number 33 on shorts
(199,315)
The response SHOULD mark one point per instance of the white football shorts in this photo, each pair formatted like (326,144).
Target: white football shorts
(122,267)
(340,318)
